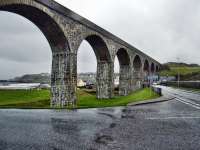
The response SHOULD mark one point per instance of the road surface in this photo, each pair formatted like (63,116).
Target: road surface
(167,125)
(191,98)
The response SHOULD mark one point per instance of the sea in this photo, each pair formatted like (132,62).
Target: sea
(15,85)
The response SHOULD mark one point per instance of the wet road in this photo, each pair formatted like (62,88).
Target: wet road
(167,125)
(191,98)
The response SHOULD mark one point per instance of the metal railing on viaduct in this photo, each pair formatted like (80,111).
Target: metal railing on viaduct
(65,31)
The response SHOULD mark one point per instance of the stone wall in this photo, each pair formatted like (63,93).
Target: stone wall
(185,84)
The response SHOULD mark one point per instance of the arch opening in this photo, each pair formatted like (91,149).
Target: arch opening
(116,76)
(86,68)
(103,67)
(43,21)
(137,66)
(146,69)
(100,48)
(59,47)
(86,58)
(123,57)
(23,48)
(124,72)
(157,68)
(137,63)
(146,66)
(152,68)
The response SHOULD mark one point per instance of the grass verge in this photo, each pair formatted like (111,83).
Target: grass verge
(86,99)
(182,70)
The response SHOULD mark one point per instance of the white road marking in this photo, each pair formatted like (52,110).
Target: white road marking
(188,103)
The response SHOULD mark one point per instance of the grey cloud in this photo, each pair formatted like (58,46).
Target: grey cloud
(21,41)
(25,49)
(16,24)
(10,69)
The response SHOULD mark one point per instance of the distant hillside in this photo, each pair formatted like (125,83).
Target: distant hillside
(175,64)
(186,71)
(33,78)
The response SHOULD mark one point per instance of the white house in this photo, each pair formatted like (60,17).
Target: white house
(80,83)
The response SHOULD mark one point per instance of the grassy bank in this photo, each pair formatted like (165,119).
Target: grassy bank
(24,98)
(89,99)
(182,70)
(86,99)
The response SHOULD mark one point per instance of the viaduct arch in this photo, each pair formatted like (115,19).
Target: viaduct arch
(152,68)
(65,30)
(124,72)
(137,72)
(103,79)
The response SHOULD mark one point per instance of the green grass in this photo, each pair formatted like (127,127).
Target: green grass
(86,99)
(24,98)
(182,70)
(89,99)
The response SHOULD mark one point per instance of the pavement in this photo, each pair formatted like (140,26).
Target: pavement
(167,125)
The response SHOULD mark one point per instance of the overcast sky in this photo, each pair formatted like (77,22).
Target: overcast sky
(164,29)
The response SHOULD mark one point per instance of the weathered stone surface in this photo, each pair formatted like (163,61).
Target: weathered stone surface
(65,31)
(104,80)
(124,80)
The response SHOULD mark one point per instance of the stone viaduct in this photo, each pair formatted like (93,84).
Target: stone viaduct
(65,30)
